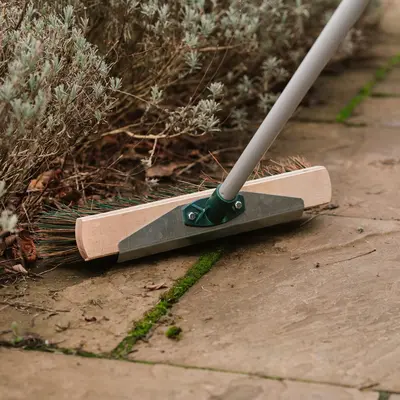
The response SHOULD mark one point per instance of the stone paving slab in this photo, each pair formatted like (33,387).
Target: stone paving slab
(91,313)
(366,184)
(326,314)
(391,85)
(385,45)
(363,162)
(313,236)
(389,21)
(378,113)
(47,376)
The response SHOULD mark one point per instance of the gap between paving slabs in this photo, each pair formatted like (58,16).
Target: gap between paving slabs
(345,113)
(167,300)
(367,90)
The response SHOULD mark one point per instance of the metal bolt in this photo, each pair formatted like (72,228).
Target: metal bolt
(192,216)
(238,205)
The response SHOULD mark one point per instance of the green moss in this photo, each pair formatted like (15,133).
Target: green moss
(167,300)
(346,112)
(366,91)
(81,353)
(384,396)
(173,332)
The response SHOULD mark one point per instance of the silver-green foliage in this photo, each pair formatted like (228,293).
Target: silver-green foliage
(168,52)
(54,89)
(8,219)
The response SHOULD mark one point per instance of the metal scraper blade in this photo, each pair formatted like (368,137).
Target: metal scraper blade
(169,232)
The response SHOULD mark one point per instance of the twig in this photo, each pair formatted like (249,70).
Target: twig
(22,16)
(139,136)
(152,152)
(26,214)
(218,48)
(352,258)
(219,164)
(48,270)
(34,275)
(205,158)
(121,185)
(22,305)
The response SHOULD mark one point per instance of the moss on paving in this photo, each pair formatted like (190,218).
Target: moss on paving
(384,396)
(173,332)
(167,300)
(366,90)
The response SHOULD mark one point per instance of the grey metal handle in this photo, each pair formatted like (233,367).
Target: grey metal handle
(343,19)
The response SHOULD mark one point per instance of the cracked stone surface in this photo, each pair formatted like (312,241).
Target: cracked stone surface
(318,305)
(47,376)
(363,163)
(93,313)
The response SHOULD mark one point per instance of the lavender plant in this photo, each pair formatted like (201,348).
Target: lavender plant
(184,67)
(54,90)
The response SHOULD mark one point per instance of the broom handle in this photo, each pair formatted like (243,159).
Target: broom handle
(343,19)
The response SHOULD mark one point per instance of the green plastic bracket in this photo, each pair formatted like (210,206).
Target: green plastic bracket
(213,210)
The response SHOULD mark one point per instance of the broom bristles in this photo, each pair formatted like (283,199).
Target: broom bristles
(55,229)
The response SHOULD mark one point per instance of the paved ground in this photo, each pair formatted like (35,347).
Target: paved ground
(46,376)
(305,312)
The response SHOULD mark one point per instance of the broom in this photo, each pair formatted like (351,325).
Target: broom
(55,228)
(236,205)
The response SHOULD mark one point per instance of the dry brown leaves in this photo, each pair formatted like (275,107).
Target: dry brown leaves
(163,171)
(18,250)
(43,180)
